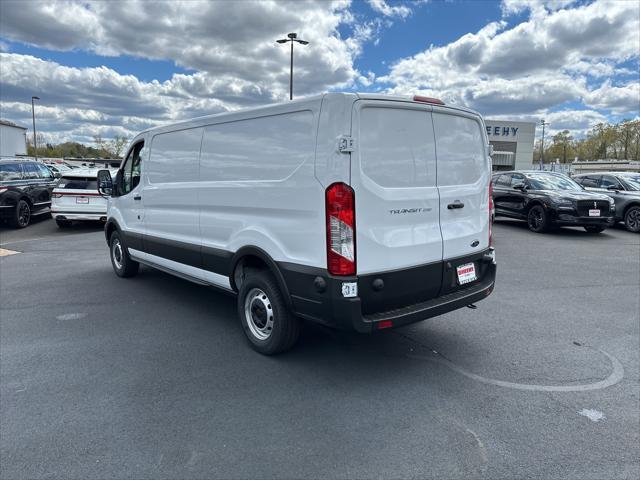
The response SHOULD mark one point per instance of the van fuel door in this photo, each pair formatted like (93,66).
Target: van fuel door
(346,144)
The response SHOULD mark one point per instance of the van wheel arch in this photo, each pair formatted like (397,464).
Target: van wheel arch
(255,258)
(110,227)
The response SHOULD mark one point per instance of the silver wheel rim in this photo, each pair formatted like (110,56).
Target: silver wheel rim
(259,313)
(116,253)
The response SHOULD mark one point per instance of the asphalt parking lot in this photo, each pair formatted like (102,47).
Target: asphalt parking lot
(151,377)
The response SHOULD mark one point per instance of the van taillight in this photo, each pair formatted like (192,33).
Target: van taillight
(434,101)
(490,209)
(341,229)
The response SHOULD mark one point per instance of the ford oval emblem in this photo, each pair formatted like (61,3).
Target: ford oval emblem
(475,243)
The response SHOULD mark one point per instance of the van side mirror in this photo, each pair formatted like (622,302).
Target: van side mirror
(105,184)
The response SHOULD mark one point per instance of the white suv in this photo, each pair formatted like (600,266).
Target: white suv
(76,198)
(357,211)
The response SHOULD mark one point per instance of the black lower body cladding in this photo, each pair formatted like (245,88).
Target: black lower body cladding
(401,296)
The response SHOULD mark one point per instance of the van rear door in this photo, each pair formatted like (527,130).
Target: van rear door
(393,174)
(463,182)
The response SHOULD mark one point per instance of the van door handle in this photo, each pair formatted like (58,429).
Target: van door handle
(456,204)
(137,197)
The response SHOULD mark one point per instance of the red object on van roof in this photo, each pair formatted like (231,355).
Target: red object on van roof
(420,98)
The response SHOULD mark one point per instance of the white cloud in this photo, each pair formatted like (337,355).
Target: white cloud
(226,39)
(383,7)
(511,7)
(538,64)
(624,99)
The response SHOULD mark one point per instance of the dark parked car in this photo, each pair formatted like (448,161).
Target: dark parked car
(25,191)
(623,187)
(545,199)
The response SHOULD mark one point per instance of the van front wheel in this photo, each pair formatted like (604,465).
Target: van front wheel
(266,320)
(120,259)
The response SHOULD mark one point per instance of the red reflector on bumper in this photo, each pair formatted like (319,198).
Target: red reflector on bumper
(384,324)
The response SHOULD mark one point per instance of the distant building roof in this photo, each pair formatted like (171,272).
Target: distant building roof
(11,124)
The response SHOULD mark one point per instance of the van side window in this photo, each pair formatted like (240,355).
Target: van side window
(131,169)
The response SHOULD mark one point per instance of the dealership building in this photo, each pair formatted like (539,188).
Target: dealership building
(512,144)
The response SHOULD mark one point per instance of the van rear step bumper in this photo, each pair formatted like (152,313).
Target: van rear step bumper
(317,296)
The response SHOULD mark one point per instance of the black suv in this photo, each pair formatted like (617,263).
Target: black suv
(544,199)
(25,190)
(623,187)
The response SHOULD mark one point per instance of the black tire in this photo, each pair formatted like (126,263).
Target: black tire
(537,219)
(21,215)
(120,259)
(271,327)
(594,229)
(632,219)
(63,223)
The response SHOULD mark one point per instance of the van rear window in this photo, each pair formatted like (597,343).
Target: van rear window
(396,147)
(461,157)
(78,183)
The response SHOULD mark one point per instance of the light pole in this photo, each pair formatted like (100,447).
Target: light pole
(544,124)
(292,37)
(33,116)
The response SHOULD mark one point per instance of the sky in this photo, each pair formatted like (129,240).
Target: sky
(119,67)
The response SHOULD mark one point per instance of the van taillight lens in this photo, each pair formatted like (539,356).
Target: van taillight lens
(490,209)
(341,229)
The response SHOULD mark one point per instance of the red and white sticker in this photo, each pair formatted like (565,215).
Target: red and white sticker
(466,273)
(594,212)
(82,200)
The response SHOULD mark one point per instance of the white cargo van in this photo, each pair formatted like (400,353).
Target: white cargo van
(357,211)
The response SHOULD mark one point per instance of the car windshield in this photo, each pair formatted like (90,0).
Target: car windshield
(548,181)
(631,181)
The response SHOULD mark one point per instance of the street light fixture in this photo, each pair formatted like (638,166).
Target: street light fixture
(33,116)
(292,37)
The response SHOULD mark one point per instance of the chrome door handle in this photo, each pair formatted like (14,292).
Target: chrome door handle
(456,204)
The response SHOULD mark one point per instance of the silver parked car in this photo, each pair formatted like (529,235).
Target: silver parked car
(623,187)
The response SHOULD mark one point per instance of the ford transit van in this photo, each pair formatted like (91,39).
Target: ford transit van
(362,212)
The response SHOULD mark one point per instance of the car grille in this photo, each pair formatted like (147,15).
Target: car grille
(585,205)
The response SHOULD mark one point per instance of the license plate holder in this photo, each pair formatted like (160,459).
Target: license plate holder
(466,273)
(594,212)
(82,200)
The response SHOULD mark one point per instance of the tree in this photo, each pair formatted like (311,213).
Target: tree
(117,145)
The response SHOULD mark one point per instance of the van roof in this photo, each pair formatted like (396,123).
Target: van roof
(308,100)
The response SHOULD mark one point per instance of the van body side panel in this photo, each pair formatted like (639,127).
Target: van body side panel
(257,188)
(170,197)
(463,178)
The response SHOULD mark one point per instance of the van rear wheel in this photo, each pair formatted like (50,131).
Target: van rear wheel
(120,259)
(268,323)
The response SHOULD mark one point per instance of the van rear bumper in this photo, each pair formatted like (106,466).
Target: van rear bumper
(317,296)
